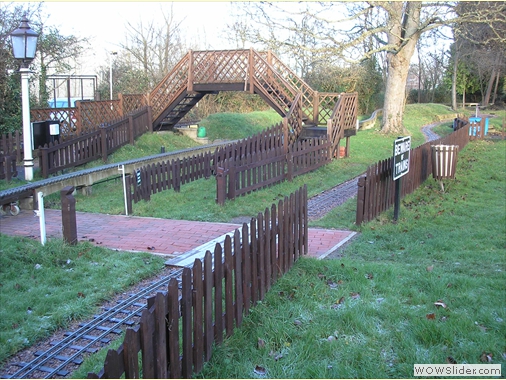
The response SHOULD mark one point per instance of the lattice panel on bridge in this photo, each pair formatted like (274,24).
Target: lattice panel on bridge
(173,84)
(279,91)
(220,66)
(327,102)
(294,122)
(97,114)
(350,110)
(131,103)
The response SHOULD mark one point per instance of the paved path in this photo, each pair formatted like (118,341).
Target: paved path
(170,238)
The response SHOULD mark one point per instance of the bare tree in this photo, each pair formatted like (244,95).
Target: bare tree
(155,48)
(394,28)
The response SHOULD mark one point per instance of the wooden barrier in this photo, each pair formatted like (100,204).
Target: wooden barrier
(258,170)
(8,167)
(57,156)
(176,333)
(376,189)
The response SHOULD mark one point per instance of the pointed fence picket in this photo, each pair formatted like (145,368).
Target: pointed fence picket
(376,189)
(177,331)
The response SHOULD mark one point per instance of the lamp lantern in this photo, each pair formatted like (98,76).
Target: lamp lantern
(24,43)
(24,46)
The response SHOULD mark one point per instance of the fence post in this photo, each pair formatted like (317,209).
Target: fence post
(150,119)
(44,161)
(103,143)
(289,163)
(8,169)
(316,107)
(285,134)
(231,178)
(220,186)
(68,215)
(360,201)
(128,185)
(131,133)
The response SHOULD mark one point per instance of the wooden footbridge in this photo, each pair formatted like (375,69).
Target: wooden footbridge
(208,72)
(200,73)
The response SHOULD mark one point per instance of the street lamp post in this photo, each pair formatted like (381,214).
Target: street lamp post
(24,45)
(110,72)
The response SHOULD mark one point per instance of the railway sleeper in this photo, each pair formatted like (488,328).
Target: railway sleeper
(41,368)
(104,328)
(90,350)
(90,337)
(62,358)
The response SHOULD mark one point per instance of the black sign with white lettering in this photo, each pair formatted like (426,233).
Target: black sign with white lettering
(402,147)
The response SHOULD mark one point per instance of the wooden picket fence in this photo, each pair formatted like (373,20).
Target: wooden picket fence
(8,167)
(12,144)
(239,176)
(166,175)
(57,156)
(271,138)
(177,330)
(376,192)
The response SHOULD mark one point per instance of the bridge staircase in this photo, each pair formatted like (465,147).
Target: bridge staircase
(208,72)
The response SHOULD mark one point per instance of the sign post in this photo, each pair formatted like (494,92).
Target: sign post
(402,147)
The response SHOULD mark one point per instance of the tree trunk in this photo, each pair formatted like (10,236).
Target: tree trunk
(496,85)
(454,81)
(403,32)
(395,92)
(486,101)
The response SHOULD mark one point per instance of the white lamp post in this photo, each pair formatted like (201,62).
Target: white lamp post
(110,72)
(24,45)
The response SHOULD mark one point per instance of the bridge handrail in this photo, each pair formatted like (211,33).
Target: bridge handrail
(170,86)
(277,83)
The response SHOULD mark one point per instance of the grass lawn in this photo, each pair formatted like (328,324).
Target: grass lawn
(373,312)
(47,287)
(448,247)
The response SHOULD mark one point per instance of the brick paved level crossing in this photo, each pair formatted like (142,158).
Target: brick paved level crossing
(170,238)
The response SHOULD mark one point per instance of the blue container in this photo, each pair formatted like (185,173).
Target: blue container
(474,125)
(486,126)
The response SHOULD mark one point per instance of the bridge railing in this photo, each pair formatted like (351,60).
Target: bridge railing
(260,71)
(344,117)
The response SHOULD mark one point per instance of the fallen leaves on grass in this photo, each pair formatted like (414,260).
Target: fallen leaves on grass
(260,343)
(486,357)
(260,370)
(276,355)
(338,303)
(80,295)
(440,303)
(481,327)
(430,268)
(431,316)
(354,296)
(451,360)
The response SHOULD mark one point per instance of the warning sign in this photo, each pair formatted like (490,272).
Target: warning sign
(402,147)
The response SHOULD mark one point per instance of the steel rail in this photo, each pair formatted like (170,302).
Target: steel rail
(78,334)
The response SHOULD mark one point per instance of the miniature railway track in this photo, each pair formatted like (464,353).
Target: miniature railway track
(53,362)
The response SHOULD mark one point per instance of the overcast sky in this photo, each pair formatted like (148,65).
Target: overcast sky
(104,23)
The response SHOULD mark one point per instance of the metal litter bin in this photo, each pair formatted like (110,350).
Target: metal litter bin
(444,162)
